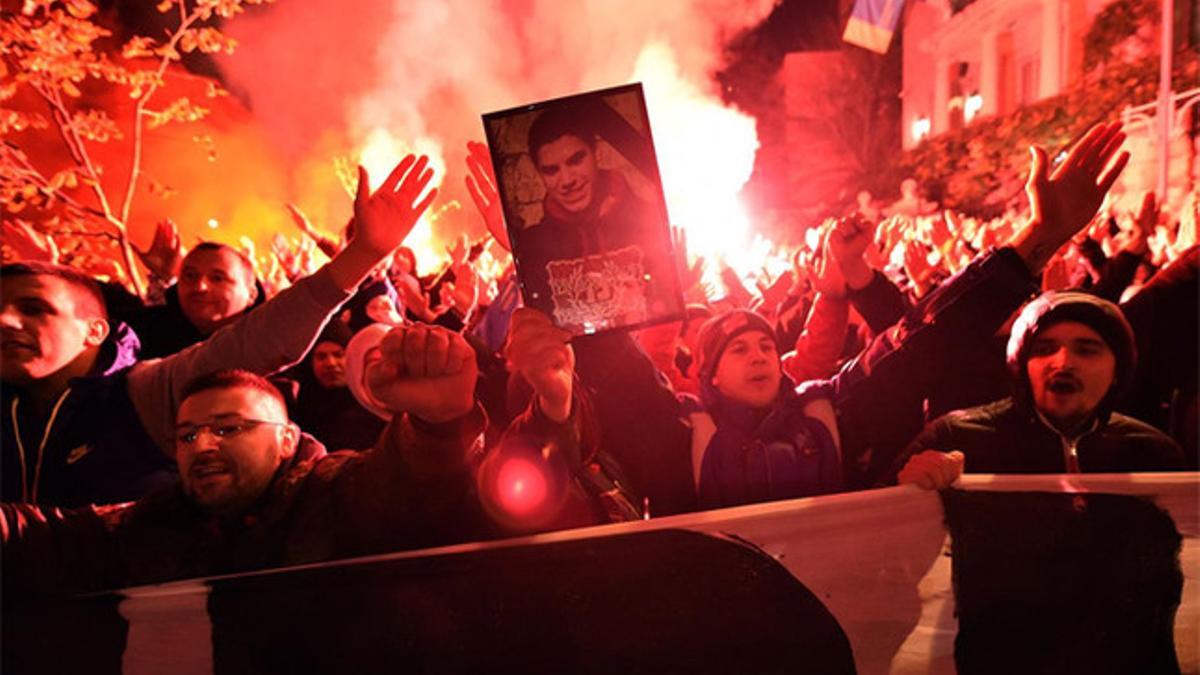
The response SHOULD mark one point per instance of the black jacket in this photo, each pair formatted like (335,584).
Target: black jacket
(413,490)
(1004,437)
(164,329)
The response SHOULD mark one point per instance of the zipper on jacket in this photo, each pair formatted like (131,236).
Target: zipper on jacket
(1070,446)
(27,495)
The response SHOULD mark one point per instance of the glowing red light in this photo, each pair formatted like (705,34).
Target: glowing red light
(521,487)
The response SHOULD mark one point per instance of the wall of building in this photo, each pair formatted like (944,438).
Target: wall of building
(1010,53)
(990,58)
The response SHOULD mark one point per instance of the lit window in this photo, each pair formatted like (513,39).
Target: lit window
(921,128)
(972,107)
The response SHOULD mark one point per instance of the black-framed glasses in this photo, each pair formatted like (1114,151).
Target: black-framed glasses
(221,428)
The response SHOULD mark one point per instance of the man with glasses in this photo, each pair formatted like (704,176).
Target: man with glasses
(87,422)
(254,492)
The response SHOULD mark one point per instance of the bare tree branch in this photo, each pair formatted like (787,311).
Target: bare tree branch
(185,21)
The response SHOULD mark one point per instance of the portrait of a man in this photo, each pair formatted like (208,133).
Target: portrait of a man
(585,212)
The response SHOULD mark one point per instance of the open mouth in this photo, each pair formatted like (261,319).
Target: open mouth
(1064,386)
(203,471)
(574,195)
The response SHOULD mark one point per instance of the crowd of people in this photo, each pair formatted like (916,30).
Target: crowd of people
(257,411)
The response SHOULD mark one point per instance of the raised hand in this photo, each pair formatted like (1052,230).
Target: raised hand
(425,371)
(464,290)
(1062,202)
(940,233)
(1144,226)
(165,252)
(774,293)
(952,221)
(542,354)
(301,221)
(827,276)
(917,267)
(413,298)
(849,241)
(691,273)
(849,238)
(933,470)
(481,183)
(1057,275)
(285,257)
(328,245)
(381,309)
(384,218)
(735,290)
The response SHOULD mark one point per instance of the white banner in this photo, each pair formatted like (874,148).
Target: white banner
(878,560)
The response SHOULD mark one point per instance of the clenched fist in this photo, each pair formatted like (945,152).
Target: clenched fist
(933,470)
(540,351)
(426,371)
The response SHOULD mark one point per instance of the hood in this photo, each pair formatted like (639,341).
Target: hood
(1055,307)
(119,351)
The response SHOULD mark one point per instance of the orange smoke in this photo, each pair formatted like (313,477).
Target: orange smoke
(395,76)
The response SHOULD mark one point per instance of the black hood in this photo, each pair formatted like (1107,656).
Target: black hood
(1098,314)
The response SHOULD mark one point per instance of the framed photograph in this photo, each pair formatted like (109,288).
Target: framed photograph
(584,209)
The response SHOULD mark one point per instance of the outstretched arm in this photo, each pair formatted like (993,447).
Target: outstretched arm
(415,488)
(425,376)
(877,299)
(950,323)
(279,333)
(820,344)
(327,245)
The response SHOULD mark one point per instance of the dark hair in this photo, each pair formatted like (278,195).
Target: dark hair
(88,289)
(231,379)
(247,265)
(554,123)
(337,332)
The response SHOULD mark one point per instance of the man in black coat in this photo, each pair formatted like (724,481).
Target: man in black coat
(1070,357)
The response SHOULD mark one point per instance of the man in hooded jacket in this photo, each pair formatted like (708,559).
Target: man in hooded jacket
(1070,358)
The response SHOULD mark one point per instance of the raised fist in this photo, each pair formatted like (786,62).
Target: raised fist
(542,354)
(426,371)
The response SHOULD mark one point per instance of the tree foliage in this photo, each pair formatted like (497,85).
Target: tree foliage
(1115,24)
(66,80)
(981,168)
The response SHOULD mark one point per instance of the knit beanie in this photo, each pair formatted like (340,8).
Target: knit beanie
(1096,313)
(719,331)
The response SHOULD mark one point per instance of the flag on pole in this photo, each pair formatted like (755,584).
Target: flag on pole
(872,23)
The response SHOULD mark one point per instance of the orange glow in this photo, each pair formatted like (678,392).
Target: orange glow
(705,156)
(379,155)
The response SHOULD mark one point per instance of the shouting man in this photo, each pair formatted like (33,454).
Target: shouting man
(1070,356)
(253,492)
